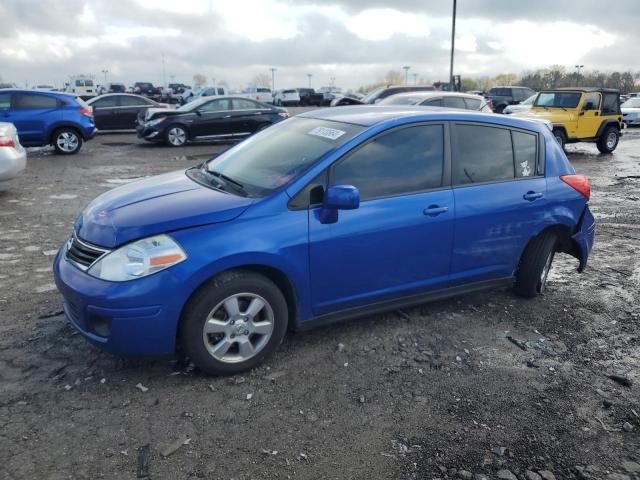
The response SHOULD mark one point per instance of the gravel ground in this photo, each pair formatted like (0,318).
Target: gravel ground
(484,384)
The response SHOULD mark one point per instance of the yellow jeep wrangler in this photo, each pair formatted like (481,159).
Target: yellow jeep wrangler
(581,115)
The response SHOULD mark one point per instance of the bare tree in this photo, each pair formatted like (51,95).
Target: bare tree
(199,79)
(261,80)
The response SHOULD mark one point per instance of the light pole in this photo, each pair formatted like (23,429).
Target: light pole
(164,75)
(273,79)
(333,81)
(415,79)
(104,72)
(309,75)
(578,68)
(406,74)
(453,44)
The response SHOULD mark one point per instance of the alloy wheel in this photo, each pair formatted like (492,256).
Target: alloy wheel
(67,141)
(177,136)
(238,328)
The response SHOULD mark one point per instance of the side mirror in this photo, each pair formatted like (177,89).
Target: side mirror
(338,197)
(198,112)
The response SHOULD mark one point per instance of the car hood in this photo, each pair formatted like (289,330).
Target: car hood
(155,205)
(555,115)
(160,112)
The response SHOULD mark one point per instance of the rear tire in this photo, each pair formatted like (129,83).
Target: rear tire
(609,139)
(67,141)
(219,320)
(531,278)
(560,137)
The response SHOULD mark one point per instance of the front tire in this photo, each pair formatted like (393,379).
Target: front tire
(175,136)
(531,278)
(67,141)
(560,137)
(609,139)
(233,323)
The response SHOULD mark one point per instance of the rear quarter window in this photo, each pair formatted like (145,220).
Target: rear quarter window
(525,151)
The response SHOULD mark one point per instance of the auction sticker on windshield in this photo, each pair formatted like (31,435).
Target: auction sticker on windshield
(325,132)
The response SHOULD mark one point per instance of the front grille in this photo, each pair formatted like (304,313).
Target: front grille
(83,254)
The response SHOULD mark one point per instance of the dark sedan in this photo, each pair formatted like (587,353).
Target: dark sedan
(222,118)
(119,111)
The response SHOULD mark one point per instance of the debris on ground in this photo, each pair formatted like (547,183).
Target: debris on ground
(175,445)
(143,461)
(142,388)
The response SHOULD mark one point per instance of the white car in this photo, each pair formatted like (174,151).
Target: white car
(631,111)
(523,106)
(200,92)
(260,94)
(13,158)
(82,86)
(287,97)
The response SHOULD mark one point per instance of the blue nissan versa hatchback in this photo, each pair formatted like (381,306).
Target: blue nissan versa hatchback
(332,214)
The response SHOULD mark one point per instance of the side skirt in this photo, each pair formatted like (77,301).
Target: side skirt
(408,301)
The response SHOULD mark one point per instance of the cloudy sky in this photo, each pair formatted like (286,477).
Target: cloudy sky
(355,41)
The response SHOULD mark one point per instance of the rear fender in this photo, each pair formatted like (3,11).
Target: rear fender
(583,238)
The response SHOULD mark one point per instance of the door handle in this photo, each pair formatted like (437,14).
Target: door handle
(227,116)
(435,210)
(531,196)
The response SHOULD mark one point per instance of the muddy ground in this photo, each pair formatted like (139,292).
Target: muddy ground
(467,387)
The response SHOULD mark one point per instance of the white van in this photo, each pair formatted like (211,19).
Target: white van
(82,85)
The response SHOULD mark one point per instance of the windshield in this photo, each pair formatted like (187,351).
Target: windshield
(631,103)
(558,99)
(280,153)
(145,85)
(529,101)
(370,97)
(191,106)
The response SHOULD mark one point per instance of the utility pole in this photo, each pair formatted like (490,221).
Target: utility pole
(164,76)
(453,45)
(333,81)
(105,71)
(309,75)
(415,79)
(406,74)
(273,79)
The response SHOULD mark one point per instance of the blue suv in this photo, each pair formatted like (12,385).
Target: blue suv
(332,214)
(48,118)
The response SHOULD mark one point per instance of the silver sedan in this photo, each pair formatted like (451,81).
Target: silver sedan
(13,158)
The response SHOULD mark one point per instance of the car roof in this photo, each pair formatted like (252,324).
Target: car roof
(37,92)
(118,94)
(370,115)
(438,93)
(582,89)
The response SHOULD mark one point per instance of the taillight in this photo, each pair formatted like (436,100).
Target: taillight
(7,142)
(580,183)
(88,111)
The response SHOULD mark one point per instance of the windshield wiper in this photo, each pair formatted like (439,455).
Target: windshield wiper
(224,179)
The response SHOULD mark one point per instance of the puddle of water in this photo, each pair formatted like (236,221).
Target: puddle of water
(63,196)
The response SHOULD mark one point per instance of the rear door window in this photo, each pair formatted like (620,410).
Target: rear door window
(454,102)
(220,105)
(31,100)
(483,154)
(472,103)
(133,102)
(105,102)
(400,162)
(244,104)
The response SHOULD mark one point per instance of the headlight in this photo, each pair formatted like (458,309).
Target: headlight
(154,122)
(138,259)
